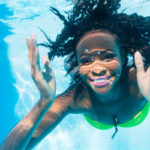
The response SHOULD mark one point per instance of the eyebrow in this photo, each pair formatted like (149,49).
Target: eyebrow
(90,52)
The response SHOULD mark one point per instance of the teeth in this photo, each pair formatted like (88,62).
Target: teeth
(100,81)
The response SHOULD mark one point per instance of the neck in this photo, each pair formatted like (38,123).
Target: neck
(113,97)
(119,102)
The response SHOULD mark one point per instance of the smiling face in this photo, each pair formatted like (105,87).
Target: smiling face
(99,61)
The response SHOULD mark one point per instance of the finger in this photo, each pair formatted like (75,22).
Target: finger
(35,67)
(46,64)
(35,52)
(139,62)
(29,49)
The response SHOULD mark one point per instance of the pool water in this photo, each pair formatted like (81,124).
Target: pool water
(20,18)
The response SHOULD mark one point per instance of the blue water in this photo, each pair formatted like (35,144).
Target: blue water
(18,19)
(8,93)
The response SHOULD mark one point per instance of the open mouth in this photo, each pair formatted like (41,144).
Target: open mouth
(101,81)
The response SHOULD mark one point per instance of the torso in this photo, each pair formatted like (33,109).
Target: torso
(125,108)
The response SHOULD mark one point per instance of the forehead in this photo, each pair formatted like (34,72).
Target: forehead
(98,40)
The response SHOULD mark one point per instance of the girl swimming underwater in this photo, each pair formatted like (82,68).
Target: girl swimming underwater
(104,87)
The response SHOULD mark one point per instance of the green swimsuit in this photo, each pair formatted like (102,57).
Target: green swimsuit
(136,120)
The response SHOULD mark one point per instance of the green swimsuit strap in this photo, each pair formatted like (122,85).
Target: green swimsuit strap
(136,120)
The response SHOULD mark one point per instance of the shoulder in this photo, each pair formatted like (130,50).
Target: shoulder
(72,100)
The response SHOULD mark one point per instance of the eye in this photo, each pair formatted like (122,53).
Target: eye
(109,56)
(86,60)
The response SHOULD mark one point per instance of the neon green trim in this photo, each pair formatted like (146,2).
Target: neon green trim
(137,119)
(97,124)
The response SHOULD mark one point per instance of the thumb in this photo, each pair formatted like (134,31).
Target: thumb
(46,64)
(139,62)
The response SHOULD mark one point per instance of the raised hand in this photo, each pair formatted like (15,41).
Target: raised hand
(143,77)
(45,81)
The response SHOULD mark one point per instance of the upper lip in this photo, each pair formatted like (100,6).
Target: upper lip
(101,77)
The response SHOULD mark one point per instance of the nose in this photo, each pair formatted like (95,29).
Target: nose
(98,71)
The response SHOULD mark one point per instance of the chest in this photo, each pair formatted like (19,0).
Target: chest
(125,107)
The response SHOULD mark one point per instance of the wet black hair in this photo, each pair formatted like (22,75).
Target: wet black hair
(133,31)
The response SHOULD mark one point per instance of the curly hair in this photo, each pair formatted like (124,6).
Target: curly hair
(133,31)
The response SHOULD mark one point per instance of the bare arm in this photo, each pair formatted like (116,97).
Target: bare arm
(27,134)
(20,136)
(45,82)
(60,108)
(46,114)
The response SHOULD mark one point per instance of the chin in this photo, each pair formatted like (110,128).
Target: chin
(101,90)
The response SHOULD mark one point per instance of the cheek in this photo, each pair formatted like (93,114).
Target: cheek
(115,66)
(84,70)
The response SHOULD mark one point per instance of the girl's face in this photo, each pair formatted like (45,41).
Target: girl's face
(99,59)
